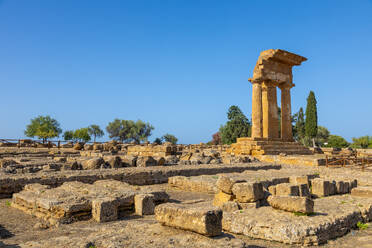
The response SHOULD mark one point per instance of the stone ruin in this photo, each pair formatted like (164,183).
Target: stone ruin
(230,192)
(105,200)
(273,69)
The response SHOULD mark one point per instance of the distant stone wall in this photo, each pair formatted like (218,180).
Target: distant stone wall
(364,152)
(151,150)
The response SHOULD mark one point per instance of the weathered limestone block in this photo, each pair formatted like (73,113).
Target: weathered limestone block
(144,204)
(292,203)
(205,184)
(128,161)
(205,220)
(88,147)
(36,187)
(225,184)
(146,161)
(340,187)
(160,161)
(113,161)
(78,146)
(248,192)
(353,184)
(362,191)
(299,180)
(159,196)
(304,190)
(347,187)
(186,156)
(105,209)
(230,206)
(93,163)
(220,198)
(320,187)
(249,205)
(287,189)
(97,147)
(333,188)
(171,160)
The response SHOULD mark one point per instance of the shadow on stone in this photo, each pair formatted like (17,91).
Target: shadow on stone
(130,217)
(4,233)
(232,237)
(8,246)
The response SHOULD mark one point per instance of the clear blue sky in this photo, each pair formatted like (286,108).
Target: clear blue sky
(178,64)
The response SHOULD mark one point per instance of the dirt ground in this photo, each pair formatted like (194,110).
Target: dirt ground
(17,229)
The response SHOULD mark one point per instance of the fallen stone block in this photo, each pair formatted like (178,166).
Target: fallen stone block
(362,191)
(220,198)
(225,184)
(202,219)
(230,206)
(287,189)
(340,187)
(299,180)
(304,190)
(93,163)
(113,161)
(249,205)
(146,161)
(320,187)
(105,209)
(248,192)
(331,221)
(292,203)
(353,184)
(144,204)
(333,188)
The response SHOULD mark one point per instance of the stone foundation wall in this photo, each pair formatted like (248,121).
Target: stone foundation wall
(134,176)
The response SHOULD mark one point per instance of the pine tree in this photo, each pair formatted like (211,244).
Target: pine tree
(311,121)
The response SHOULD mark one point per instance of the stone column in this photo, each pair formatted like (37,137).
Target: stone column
(256,110)
(270,121)
(286,122)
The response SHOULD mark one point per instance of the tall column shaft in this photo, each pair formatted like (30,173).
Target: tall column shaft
(286,122)
(256,110)
(270,120)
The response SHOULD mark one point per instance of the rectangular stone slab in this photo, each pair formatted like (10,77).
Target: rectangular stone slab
(362,191)
(248,192)
(334,216)
(292,203)
(203,219)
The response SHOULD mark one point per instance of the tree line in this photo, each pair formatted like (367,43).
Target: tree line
(305,129)
(126,131)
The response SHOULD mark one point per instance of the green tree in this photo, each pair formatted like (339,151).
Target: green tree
(158,141)
(95,131)
(299,126)
(311,121)
(362,142)
(128,130)
(82,134)
(337,141)
(170,138)
(237,126)
(44,127)
(321,136)
(141,131)
(68,135)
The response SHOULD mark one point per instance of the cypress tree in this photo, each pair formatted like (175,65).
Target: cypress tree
(311,121)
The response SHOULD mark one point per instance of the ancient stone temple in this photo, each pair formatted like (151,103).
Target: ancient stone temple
(273,69)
